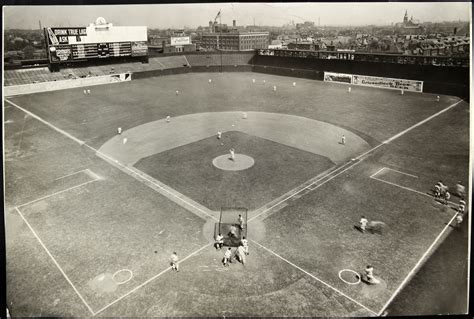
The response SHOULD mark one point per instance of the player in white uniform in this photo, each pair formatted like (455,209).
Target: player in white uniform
(219,135)
(219,241)
(245,244)
(443,187)
(437,191)
(227,256)
(119,130)
(240,255)
(174,261)
(232,154)
(460,189)
(447,196)
(240,220)
(369,275)
(343,140)
(363,223)
(233,231)
(462,206)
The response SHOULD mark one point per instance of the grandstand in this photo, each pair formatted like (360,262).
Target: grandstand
(224,58)
(35,75)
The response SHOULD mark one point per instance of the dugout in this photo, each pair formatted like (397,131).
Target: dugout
(229,225)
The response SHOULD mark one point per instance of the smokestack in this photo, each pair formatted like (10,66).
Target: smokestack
(234,24)
(455,30)
(39,22)
(210,26)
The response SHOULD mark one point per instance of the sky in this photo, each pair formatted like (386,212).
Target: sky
(274,14)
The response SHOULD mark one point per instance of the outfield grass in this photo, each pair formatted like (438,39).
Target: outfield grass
(374,114)
(277,169)
(117,222)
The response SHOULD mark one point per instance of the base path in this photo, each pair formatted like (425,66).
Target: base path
(299,132)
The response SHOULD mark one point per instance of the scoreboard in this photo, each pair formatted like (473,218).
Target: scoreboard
(95,42)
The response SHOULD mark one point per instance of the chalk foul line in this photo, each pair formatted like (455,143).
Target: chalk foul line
(314,277)
(54,261)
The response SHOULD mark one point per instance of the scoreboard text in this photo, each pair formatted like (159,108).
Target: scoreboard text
(75,44)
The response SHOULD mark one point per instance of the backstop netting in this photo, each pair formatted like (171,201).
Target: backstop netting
(230,225)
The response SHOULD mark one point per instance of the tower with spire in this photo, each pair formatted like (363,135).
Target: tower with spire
(405,18)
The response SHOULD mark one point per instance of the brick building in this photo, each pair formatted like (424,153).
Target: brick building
(238,41)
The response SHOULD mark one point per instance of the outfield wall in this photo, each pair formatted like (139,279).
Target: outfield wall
(65,84)
(436,79)
(181,70)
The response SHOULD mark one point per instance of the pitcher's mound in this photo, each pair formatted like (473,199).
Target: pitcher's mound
(240,162)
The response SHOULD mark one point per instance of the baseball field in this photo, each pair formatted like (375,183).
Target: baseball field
(92,216)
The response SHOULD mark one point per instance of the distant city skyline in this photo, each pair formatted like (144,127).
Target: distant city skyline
(269,14)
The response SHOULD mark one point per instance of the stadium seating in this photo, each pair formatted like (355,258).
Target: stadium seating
(169,62)
(218,59)
(204,60)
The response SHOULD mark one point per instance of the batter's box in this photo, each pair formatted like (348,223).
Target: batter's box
(400,179)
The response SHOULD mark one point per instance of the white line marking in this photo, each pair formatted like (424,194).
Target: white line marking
(21,134)
(47,123)
(316,278)
(54,260)
(162,65)
(408,189)
(148,281)
(377,172)
(415,268)
(125,281)
(391,169)
(422,122)
(351,271)
(94,175)
(70,174)
(187,62)
(54,194)
(148,180)
(360,159)
(310,186)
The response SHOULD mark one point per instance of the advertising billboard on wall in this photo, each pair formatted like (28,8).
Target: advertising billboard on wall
(375,81)
(180,40)
(388,83)
(337,77)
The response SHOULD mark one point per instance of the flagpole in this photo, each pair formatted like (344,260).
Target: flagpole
(220,31)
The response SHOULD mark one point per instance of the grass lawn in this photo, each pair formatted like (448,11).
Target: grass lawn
(277,169)
(117,222)
(374,114)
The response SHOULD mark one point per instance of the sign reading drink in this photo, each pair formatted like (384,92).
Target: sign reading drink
(388,83)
